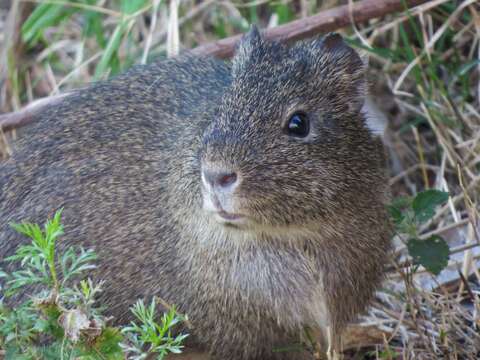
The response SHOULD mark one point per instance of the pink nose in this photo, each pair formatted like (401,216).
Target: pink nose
(220,179)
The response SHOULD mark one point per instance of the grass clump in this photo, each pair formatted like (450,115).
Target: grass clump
(59,319)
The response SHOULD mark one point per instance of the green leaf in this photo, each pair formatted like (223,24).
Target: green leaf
(157,335)
(425,203)
(381,52)
(283,12)
(39,12)
(219,27)
(396,215)
(94,25)
(73,264)
(433,253)
(110,50)
(47,15)
(108,343)
(132,6)
(465,68)
(396,208)
(253,16)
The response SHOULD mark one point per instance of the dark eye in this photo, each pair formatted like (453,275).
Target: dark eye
(298,125)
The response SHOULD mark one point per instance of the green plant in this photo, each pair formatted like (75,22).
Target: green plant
(151,337)
(408,214)
(59,318)
(387,353)
(49,14)
(38,259)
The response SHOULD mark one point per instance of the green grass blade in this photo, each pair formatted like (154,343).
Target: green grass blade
(131,6)
(53,16)
(34,17)
(110,51)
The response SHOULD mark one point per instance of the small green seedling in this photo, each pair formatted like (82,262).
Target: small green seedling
(408,214)
(151,337)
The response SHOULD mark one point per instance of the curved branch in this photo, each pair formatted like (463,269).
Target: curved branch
(325,21)
(25,116)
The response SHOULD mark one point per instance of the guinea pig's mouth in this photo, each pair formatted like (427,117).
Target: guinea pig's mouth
(215,208)
(226,218)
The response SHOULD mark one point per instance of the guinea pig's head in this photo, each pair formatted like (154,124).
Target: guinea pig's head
(276,154)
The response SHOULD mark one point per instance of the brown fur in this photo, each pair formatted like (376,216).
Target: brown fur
(124,159)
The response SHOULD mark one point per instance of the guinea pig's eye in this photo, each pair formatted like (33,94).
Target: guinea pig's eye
(298,125)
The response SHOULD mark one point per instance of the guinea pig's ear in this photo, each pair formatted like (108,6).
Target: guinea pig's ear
(249,44)
(345,69)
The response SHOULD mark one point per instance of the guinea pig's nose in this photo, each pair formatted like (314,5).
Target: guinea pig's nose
(220,179)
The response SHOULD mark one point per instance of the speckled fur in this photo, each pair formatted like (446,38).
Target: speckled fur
(123,158)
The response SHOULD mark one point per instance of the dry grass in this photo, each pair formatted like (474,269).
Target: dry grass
(428,90)
(427,317)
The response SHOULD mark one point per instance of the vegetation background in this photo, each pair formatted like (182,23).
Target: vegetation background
(424,74)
